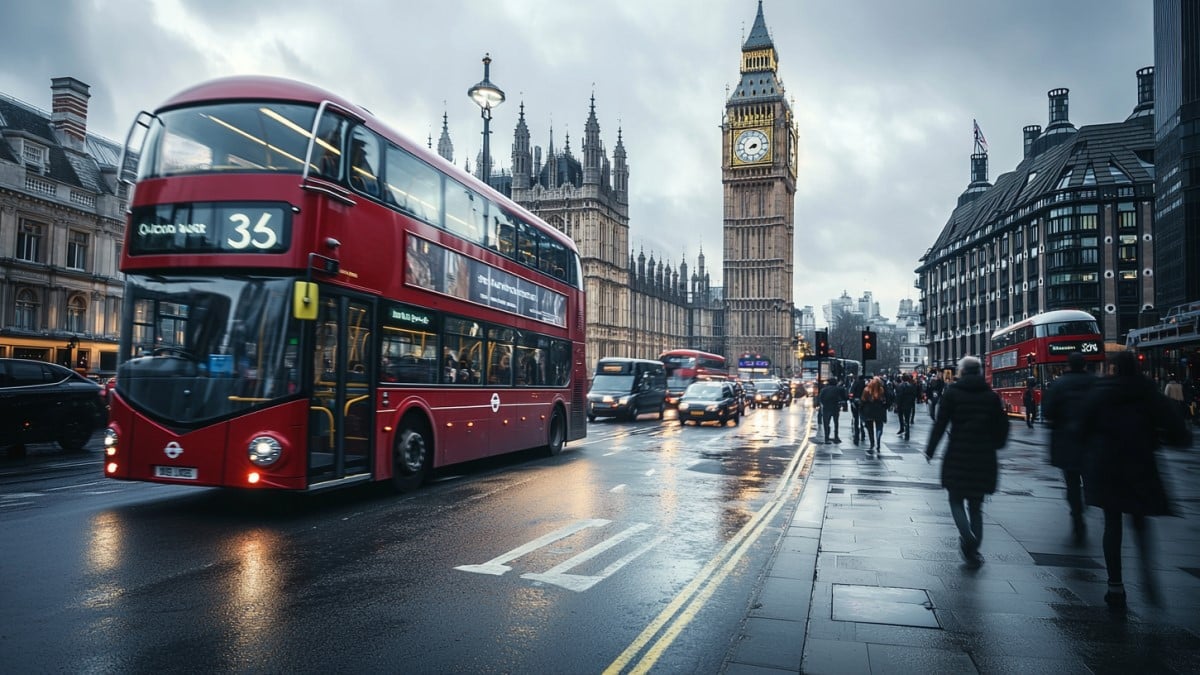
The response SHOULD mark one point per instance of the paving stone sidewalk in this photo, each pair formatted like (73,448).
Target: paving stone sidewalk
(868,577)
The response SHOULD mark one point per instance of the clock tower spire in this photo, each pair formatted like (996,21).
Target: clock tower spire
(758,138)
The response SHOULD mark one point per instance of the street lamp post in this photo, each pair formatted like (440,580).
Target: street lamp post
(487,96)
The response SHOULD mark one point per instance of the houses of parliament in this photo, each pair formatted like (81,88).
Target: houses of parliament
(639,306)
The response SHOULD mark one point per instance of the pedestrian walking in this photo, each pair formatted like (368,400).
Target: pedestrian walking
(906,403)
(1123,420)
(1061,410)
(979,427)
(832,398)
(856,391)
(874,412)
(1029,401)
(934,392)
(1174,391)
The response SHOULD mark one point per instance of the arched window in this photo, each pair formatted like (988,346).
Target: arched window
(25,314)
(76,313)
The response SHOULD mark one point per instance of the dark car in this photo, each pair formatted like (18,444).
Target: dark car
(771,394)
(626,388)
(711,401)
(42,402)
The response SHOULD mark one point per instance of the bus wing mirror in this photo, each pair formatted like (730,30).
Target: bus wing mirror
(304,300)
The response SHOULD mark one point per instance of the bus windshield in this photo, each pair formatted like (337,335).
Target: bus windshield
(203,348)
(612,384)
(264,136)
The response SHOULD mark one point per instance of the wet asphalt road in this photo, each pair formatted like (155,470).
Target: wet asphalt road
(640,545)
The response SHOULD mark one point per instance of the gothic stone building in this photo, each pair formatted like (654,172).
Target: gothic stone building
(61,226)
(1071,227)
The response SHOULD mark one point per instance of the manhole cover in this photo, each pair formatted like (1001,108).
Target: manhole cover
(884,605)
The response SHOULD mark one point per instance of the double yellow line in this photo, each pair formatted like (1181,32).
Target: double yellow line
(677,615)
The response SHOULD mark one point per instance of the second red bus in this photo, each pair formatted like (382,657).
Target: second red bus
(1036,349)
(685,366)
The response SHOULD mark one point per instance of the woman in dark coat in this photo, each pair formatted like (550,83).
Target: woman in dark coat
(873,411)
(1122,423)
(978,428)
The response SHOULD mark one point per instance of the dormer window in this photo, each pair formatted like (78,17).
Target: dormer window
(36,157)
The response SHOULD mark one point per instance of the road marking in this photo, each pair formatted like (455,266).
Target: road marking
(619,488)
(685,606)
(496,565)
(21,495)
(558,576)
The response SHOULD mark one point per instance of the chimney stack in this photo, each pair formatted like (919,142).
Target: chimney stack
(69,110)
(1058,108)
(1030,132)
(1145,93)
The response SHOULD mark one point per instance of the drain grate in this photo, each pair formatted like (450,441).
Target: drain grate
(1060,560)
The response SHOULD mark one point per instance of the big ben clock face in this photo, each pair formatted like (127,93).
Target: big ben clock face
(752,145)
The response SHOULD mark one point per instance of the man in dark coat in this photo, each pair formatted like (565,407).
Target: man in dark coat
(979,427)
(1061,409)
(831,398)
(856,391)
(1123,420)
(934,392)
(906,401)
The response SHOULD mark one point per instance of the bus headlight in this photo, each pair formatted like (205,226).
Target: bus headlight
(265,451)
(110,441)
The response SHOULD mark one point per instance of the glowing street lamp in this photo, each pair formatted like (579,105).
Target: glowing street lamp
(487,96)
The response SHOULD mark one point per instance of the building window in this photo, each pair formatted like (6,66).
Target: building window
(76,313)
(29,241)
(25,314)
(77,248)
(1127,252)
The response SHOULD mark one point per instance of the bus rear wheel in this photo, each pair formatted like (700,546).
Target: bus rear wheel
(411,457)
(558,435)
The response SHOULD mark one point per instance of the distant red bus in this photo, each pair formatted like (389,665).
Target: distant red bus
(685,366)
(1036,349)
(314,300)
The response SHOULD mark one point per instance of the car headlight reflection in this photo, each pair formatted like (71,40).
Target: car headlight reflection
(265,451)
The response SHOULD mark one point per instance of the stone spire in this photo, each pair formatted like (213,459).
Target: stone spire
(445,147)
(520,154)
(592,152)
(620,172)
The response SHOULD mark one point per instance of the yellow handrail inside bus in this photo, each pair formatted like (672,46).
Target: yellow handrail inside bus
(328,412)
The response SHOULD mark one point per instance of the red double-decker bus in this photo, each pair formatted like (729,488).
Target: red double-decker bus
(1036,349)
(313,300)
(685,366)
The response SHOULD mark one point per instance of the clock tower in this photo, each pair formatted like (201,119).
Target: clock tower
(758,159)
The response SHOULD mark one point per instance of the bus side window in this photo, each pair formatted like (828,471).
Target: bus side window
(412,185)
(364,157)
(464,212)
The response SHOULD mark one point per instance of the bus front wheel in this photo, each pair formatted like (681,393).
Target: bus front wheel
(410,458)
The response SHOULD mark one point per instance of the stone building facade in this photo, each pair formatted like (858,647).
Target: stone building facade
(1070,227)
(61,228)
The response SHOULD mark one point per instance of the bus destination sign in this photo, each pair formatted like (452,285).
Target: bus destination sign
(437,268)
(1082,346)
(210,227)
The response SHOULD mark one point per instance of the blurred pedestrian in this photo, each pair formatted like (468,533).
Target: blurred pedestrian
(1174,391)
(856,391)
(978,428)
(1123,420)
(1029,401)
(832,397)
(1061,410)
(873,410)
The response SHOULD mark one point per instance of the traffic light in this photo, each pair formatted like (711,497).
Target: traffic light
(868,345)
(822,343)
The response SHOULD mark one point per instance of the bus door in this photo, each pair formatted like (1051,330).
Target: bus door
(341,412)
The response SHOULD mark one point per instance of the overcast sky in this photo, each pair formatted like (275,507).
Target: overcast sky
(884,93)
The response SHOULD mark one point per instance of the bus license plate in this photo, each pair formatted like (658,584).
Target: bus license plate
(184,472)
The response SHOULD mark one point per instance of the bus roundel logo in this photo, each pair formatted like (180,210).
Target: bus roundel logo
(173,450)
(495,402)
